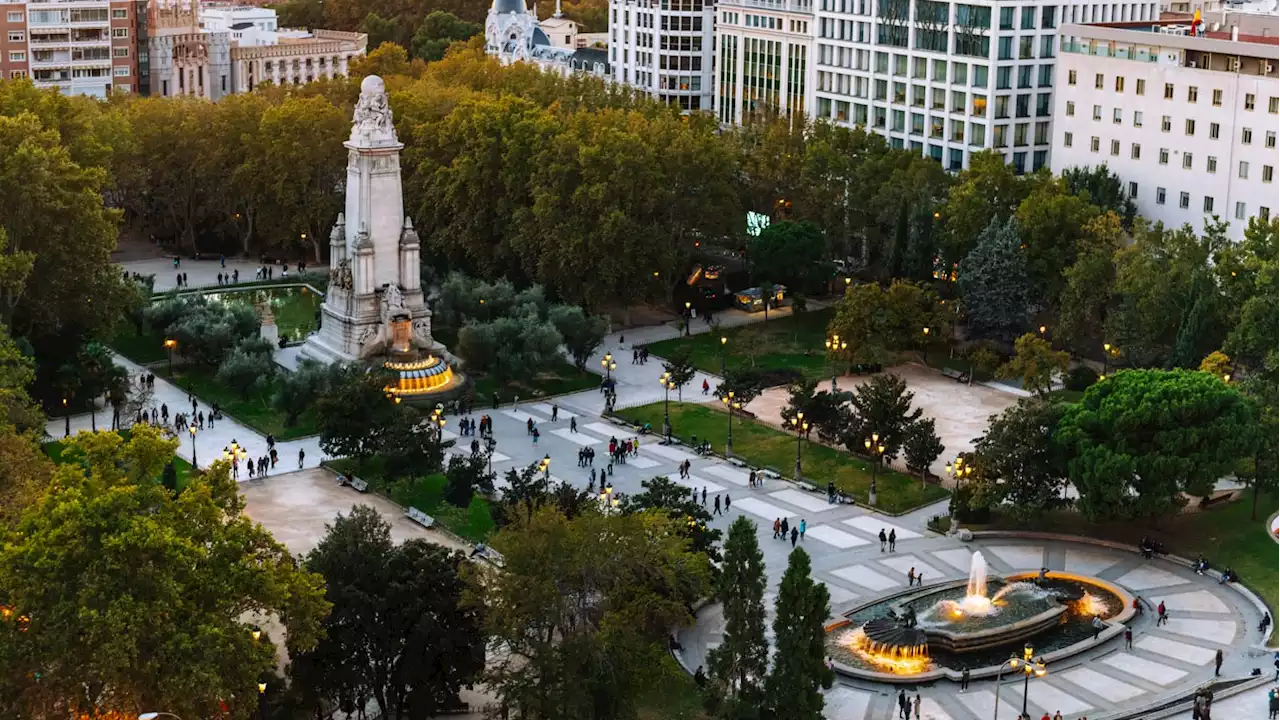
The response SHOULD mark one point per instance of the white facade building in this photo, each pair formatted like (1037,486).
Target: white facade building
(949,78)
(1188,123)
(512,33)
(764,58)
(68,45)
(665,48)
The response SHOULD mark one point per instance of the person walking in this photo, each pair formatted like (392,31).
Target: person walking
(555,413)
(911,577)
(785,528)
(706,387)
(717,510)
(726,505)
(536,435)
(1128,638)
(883,539)
(803,525)
(795,533)
(902,704)
(893,539)
(916,702)
(704,497)
(964,680)
(1217,663)
(1273,704)
(751,479)
(573,424)
(302,455)
(777,527)
(1098,626)
(1162,614)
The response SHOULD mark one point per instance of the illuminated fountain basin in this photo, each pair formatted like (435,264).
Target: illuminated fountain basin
(974,624)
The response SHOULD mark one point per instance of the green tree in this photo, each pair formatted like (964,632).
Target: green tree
(379,29)
(1035,363)
(877,323)
(1141,438)
(102,549)
(680,369)
(509,348)
(353,412)
(738,665)
(987,192)
(298,391)
(745,385)
(788,253)
(438,31)
(464,477)
(922,446)
(584,607)
(409,445)
(993,282)
(243,371)
(1101,187)
(794,686)
(208,332)
(1052,223)
(1087,285)
(693,518)
(1023,466)
(400,630)
(881,406)
(581,333)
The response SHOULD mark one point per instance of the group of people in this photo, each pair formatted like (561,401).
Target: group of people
(915,578)
(620,451)
(468,427)
(586,457)
(639,356)
(890,540)
(782,530)
(230,278)
(908,705)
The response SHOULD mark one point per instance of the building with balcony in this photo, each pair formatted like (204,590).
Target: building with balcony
(77,46)
(764,51)
(1187,121)
(665,48)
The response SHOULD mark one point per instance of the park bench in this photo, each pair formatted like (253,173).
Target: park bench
(420,517)
(359,485)
(957,375)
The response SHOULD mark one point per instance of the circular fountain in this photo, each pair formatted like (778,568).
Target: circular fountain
(971,625)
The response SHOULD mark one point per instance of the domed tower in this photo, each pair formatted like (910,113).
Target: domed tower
(509,31)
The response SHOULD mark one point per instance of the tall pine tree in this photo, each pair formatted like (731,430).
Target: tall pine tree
(799,671)
(738,665)
(993,282)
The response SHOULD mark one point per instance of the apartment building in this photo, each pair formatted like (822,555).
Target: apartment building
(665,48)
(77,46)
(948,79)
(764,51)
(1188,122)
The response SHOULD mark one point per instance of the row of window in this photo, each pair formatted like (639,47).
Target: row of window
(1188,159)
(1207,206)
(1193,91)
(1166,124)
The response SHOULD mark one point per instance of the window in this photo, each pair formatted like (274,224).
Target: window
(1133,189)
(1006,18)
(1208,204)
(1240,211)
(1115,147)
(1135,151)
(17,56)
(1099,80)
(1184,200)
(1137,118)
(1071,109)
(1212,164)
(1159,196)
(17,37)
(120,52)
(1244,170)
(1047,16)
(1094,143)
(1046,76)
(1071,74)
(1248,101)
(1264,213)
(121,72)
(1168,91)
(1191,127)
(1186,161)
(1166,123)
(119,14)
(1026,47)
(1117,115)
(1164,156)
(1267,172)
(16,17)
(1271,139)
(1028,18)
(1193,93)
(1213,131)
(1006,48)
(1004,78)
(1119,83)
(1246,136)
(119,32)
(1097,112)
(1141,87)
(1217,98)
(1273,105)
(1066,139)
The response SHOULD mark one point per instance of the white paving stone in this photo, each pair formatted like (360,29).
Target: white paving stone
(802,500)
(762,509)
(545,408)
(1141,667)
(1197,601)
(448,435)
(1175,649)
(522,416)
(1142,578)
(980,703)
(577,438)
(464,450)
(838,594)
(1219,632)
(834,537)
(845,703)
(903,563)
(668,451)
(1088,563)
(1019,557)
(1104,686)
(726,472)
(866,577)
(873,525)
(1052,699)
(604,430)
(958,558)
(642,462)
(695,482)
(931,710)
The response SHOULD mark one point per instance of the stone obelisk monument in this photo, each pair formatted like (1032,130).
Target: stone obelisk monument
(374,306)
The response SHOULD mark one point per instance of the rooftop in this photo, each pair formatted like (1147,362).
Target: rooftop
(1176,33)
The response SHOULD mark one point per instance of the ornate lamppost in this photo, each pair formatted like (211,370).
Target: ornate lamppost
(545,467)
(723,341)
(609,366)
(1029,667)
(801,427)
(730,405)
(667,386)
(958,470)
(192,429)
(834,346)
(169,345)
(876,449)
(66,417)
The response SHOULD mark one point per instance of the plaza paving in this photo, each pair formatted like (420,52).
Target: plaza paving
(202,273)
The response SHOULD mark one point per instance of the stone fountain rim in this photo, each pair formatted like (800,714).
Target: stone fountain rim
(1115,626)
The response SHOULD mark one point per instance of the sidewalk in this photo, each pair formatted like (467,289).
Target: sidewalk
(202,273)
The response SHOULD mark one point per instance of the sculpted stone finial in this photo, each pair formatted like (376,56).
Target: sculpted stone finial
(371,124)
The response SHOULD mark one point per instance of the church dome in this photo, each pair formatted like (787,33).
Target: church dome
(509,6)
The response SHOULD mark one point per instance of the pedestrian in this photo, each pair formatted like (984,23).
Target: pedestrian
(893,539)
(186,281)
(883,539)
(916,702)
(1264,623)
(911,576)
(803,525)
(1098,626)
(717,510)
(777,527)
(573,424)
(706,387)
(194,405)
(831,492)
(164,412)
(555,413)
(1128,638)
(536,434)
(795,533)
(726,505)
(250,465)
(704,496)
(1057,715)
(785,528)
(1046,716)
(179,279)
(1162,614)
(751,479)
(902,704)
(964,680)
(528,426)
(1217,663)
(920,579)
(1273,704)
(235,276)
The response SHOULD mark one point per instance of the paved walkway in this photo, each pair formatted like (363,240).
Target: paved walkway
(201,273)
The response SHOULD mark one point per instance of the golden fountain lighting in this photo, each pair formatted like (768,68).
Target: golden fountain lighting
(897,660)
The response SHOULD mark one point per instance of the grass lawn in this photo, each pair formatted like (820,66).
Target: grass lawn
(793,342)
(473,522)
(563,378)
(762,445)
(255,412)
(56,449)
(1225,534)
(294,308)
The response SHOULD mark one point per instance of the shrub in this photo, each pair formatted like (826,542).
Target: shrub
(1079,378)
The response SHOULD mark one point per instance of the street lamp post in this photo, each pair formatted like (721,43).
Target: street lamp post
(801,427)
(835,345)
(723,340)
(545,466)
(926,345)
(731,406)
(958,471)
(1106,357)
(876,449)
(667,387)
(233,454)
(489,445)
(1029,667)
(609,366)
(192,429)
(66,416)
(169,345)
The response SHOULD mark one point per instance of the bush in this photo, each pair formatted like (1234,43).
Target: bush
(245,370)
(1079,378)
